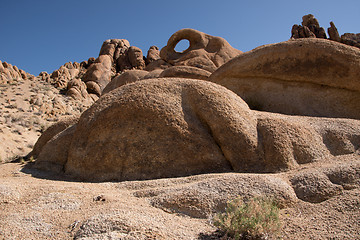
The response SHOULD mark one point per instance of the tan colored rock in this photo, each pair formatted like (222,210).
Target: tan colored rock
(125,78)
(154,108)
(2,69)
(153,74)
(23,74)
(157,64)
(77,89)
(153,54)
(57,147)
(93,88)
(111,46)
(136,58)
(186,72)
(99,73)
(44,76)
(205,195)
(205,51)
(51,132)
(139,130)
(287,143)
(311,77)
(15,68)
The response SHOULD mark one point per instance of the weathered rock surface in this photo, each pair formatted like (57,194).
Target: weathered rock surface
(318,185)
(116,56)
(10,73)
(204,55)
(153,54)
(351,39)
(205,51)
(52,131)
(310,28)
(205,195)
(125,78)
(202,122)
(311,77)
(68,79)
(186,72)
(333,33)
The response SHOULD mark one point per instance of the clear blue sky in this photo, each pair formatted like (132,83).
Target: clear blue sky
(43,35)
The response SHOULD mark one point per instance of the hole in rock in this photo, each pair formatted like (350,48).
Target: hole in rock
(182,46)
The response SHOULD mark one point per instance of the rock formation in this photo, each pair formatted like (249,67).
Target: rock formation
(351,39)
(333,33)
(210,127)
(205,51)
(9,73)
(205,54)
(116,55)
(153,54)
(68,78)
(310,28)
(313,77)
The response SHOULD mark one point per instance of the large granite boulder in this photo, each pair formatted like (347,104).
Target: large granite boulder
(171,127)
(313,77)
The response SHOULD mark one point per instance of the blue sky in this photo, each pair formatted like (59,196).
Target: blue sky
(43,35)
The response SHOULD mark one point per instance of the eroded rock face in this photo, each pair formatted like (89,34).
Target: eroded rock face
(310,28)
(139,130)
(205,51)
(333,33)
(9,73)
(204,55)
(351,39)
(153,54)
(312,77)
(116,56)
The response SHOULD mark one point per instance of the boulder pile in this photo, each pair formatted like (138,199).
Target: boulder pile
(310,28)
(9,73)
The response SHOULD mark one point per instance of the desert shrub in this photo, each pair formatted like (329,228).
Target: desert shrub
(257,218)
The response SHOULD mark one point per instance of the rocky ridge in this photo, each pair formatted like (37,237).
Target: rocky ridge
(310,28)
(29,105)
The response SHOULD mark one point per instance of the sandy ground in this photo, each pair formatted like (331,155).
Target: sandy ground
(37,205)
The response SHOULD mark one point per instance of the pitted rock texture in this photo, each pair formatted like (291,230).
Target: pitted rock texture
(312,77)
(139,130)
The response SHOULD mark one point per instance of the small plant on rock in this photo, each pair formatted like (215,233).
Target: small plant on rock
(256,219)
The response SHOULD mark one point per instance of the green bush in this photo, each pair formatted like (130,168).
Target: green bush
(256,219)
